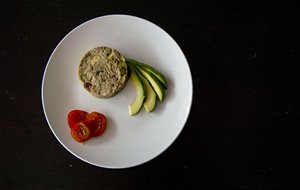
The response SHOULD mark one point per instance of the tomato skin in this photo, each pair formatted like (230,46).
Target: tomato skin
(97,124)
(80,132)
(84,125)
(76,116)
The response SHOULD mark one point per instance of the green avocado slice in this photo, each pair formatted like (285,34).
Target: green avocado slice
(157,87)
(135,107)
(150,101)
(151,70)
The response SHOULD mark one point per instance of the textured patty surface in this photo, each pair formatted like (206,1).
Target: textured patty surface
(103,71)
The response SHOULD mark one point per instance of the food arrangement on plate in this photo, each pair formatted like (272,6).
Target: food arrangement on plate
(104,72)
(125,135)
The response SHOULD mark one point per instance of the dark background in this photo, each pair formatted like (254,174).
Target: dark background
(243,131)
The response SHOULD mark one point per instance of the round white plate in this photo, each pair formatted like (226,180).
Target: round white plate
(128,140)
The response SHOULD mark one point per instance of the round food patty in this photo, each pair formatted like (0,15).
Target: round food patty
(103,71)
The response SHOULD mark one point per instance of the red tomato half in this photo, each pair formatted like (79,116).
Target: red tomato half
(80,132)
(97,123)
(84,126)
(76,116)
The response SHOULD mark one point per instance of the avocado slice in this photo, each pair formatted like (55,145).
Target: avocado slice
(135,107)
(157,87)
(150,100)
(151,70)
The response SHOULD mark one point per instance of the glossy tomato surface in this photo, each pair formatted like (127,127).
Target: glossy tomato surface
(80,132)
(97,124)
(84,125)
(76,116)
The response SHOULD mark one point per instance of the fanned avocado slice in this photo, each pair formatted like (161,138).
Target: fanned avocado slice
(135,107)
(157,87)
(150,99)
(151,70)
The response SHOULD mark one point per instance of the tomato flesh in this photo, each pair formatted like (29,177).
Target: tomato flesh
(80,132)
(84,125)
(76,116)
(97,124)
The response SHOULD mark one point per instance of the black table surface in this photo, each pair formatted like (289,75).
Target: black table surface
(243,131)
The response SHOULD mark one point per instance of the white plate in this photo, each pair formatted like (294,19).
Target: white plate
(128,140)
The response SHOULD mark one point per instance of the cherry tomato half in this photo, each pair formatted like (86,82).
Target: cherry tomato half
(97,123)
(80,132)
(84,125)
(76,116)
